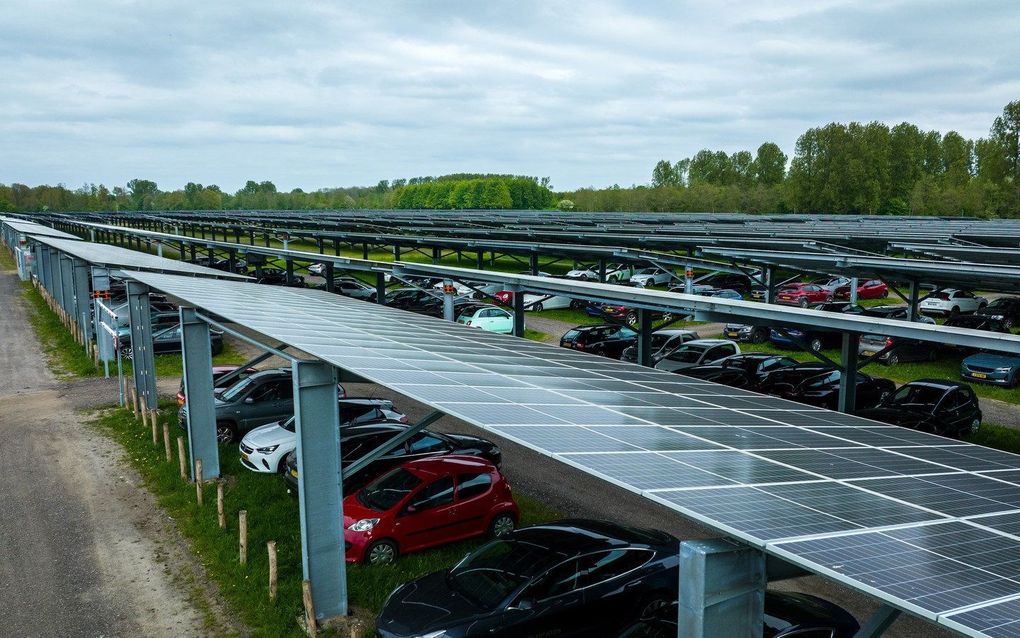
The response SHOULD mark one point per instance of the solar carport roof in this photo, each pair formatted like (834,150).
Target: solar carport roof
(32,228)
(925,523)
(117,257)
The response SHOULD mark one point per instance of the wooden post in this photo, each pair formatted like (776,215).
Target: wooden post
(154,417)
(166,442)
(198,480)
(306,594)
(242,533)
(182,458)
(145,419)
(271,547)
(220,517)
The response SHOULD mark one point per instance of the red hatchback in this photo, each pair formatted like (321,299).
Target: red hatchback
(425,503)
(870,289)
(802,295)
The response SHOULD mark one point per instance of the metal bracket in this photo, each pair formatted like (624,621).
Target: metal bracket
(879,622)
(406,435)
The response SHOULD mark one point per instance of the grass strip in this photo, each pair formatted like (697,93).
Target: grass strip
(63,354)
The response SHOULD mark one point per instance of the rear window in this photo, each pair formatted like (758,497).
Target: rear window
(944,296)
(571,335)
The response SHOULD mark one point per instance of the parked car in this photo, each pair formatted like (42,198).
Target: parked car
(733,281)
(991,367)
(436,306)
(265,447)
(535,301)
(787,615)
(317,269)
(791,375)
(844,307)
(758,292)
(607,340)
(427,503)
(830,284)
(746,333)
(951,302)
(1007,309)
(696,353)
(406,298)
(278,277)
(473,289)
(663,340)
(802,295)
(486,317)
(651,277)
(358,440)
(614,272)
(947,408)
(354,288)
(696,289)
(899,349)
(167,340)
(263,397)
(815,339)
(630,315)
(990,323)
(721,293)
(870,289)
(822,390)
(218,373)
(580,578)
(744,370)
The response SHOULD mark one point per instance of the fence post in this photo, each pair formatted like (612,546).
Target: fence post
(242,533)
(220,516)
(166,441)
(198,480)
(182,458)
(306,594)
(271,548)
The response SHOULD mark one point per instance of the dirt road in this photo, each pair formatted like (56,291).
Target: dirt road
(86,551)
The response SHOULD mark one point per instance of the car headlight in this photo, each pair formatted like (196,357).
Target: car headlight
(435,634)
(366,525)
(1006,369)
(267,450)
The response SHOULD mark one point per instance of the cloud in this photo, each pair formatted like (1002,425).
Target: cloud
(314,95)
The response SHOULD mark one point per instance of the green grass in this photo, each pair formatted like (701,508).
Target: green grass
(63,354)
(172,365)
(996,436)
(535,335)
(272,515)
(7,260)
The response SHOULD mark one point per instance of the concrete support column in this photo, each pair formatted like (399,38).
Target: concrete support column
(722,589)
(143,364)
(320,490)
(644,342)
(198,388)
(848,378)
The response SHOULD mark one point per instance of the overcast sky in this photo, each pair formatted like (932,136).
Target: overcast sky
(311,95)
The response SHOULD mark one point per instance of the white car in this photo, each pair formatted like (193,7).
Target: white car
(317,269)
(651,276)
(697,353)
(265,448)
(831,283)
(486,317)
(539,303)
(614,272)
(354,288)
(950,301)
(474,292)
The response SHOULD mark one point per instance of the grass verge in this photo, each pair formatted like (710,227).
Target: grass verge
(272,515)
(996,436)
(63,354)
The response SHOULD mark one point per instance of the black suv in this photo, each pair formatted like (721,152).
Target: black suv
(1007,309)
(733,281)
(745,370)
(607,340)
(358,440)
(948,408)
(823,390)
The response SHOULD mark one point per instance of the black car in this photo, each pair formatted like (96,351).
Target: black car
(358,440)
(747,332)
(607,340)
(733,281)
(167,340)
(991,323)
(407,298)
(569,578)
(897,349)
(745,370)
(786,615)
(948,408)
(1007,309)
(791,375)
(278,277)
(841,306)
(822,390)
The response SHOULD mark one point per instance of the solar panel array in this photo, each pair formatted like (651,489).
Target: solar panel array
(929,524)
(32,228)
(104,254)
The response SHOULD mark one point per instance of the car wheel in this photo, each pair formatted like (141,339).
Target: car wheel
(632,317)
(885,293)
(126,352)
(975,425)
(1008,323)
(538,307)
(282,468)
(803,303)
(381,553)
(651,607)
(955,310)
(816,345)
(759,336)
(667,317)
(576,305)
(502,525)
(226,432)
(892,359)
(599,350)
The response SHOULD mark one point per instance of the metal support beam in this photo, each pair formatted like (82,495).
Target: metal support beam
(290,270)
(518,309)
(330,275)
(380,288)
(320,490)
(66,270)
(480,261)
(143,364)
(448,292)
(644,342)
(602,270)
(853,290)
(848,375)
(722,589)
(233,374)
(198,388)
(912,301)
(533,263)
(405,435)
(879,622)
(770,289)
(82,301)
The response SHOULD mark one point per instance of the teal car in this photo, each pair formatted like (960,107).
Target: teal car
(487,317)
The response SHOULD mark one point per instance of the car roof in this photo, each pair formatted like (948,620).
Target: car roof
(273,372)
(381,427)
(366,401)
(943,384)
(576,536)
(449,464)
(707,342)
(597,327)
(674,331)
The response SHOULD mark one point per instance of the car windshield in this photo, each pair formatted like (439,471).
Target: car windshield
(494,571)
(660,340)
(1002,302)
(688,354)
(571,334)
(388,490)
(824,380)
(915,395)
(237,389)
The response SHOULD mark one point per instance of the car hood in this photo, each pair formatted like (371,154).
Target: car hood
(354,511)
(267,435)
(992,360)
(425,605)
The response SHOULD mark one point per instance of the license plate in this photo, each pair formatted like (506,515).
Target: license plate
(869,353)
(293,473)
(979,375)
(568,345)
(732,334)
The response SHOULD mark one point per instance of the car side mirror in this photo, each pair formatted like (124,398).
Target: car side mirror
(249,400)
(410,509)
(524,604)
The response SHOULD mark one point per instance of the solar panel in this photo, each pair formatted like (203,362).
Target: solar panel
(31,228)
(895,513)
(115,256)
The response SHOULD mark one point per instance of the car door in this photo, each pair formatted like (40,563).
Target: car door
(552,606)
(718,352)
(272,401)
(952,413)
(470,515)
(429,518)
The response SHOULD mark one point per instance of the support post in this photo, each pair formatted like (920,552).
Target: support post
(853,291)
(143,364)
(912,301)
(518,309)
(602,270)
(380,288)
(878,623)
(533,263)
(320,492)
(644,343)
(198,388)
(770,288)
(330,275)
(848,374)
(82,304)
(722,589)
(437,253)
(480,261)
(448,290)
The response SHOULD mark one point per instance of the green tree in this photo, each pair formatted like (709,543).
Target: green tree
(769,166)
